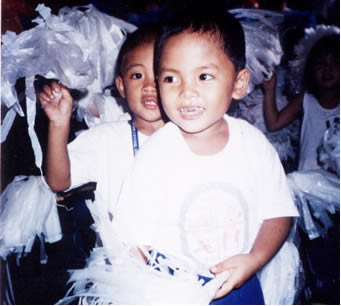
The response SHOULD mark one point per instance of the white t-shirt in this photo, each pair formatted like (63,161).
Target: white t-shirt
(103,154)
(312,131)
(207,208)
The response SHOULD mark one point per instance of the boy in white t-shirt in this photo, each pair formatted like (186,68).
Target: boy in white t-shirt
(207,186)
(104,153)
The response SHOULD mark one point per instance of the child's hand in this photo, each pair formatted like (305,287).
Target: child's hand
(271,83)
(56,102)
(240,267)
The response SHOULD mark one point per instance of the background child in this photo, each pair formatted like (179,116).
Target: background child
(207,186)
(319,102)
(104,153)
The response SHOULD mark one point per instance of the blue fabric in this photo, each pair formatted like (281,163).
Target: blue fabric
(248,294)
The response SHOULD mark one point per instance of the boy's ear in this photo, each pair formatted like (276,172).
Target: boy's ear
(241,84)
(120,86)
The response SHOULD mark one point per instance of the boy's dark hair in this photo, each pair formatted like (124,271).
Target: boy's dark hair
(206,21)
(326,45)
(146,33)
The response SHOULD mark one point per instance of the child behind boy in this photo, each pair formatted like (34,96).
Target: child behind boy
(104,153)
(319,102)
(207,186)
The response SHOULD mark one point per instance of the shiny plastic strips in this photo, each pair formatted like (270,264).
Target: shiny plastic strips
(28,209)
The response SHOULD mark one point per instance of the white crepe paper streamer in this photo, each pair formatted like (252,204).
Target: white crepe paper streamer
(31,115)
(107,108)
(271,19)
(280,278)
(263,48)
(103,36)
(92,40)
(28,209)
(7,124)
(317,194)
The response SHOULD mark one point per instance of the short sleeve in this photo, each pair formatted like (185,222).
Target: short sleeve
(83,152)
(275,196)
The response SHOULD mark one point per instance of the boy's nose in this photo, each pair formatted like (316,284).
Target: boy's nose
(149,87)
(188,92)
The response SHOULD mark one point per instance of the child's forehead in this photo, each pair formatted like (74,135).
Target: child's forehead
(193,51)
(189,40)
(199,38)
(146,46)
(140,55)
(209,36)
(139,51)
(326,56)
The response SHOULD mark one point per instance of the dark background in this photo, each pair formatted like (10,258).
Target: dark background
(36,283)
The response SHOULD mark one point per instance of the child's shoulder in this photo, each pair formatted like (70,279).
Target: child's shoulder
(243,128)
(250,140)
(108,130)
(111,126)
(168,130)
(161,141)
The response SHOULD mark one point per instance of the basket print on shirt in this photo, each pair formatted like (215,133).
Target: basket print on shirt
(214,223)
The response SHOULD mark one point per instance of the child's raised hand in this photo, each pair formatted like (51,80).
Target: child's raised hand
(57,102)
(271,83)
(240,267)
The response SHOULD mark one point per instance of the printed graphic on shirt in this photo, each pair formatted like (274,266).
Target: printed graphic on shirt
(214,223)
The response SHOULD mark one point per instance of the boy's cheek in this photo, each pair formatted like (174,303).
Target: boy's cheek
(167,90)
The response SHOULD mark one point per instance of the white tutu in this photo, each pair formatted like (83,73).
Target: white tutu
(117,274)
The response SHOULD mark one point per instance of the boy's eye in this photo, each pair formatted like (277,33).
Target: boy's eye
(136,76)
(170,79)
(205,77)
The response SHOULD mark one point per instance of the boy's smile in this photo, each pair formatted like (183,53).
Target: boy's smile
(191,112)
(197,82)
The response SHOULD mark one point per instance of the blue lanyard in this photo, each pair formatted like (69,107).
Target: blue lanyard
(134,137)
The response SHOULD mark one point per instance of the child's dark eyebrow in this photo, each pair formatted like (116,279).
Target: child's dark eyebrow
(130,66)
(208,66)
(165,69)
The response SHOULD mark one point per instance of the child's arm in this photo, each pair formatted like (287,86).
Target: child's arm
(275,119)
(241,267)
(57,104)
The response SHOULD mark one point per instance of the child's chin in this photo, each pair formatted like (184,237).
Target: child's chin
(191,130)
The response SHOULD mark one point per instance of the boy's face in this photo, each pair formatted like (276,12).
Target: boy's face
(197,81)
(137,84)
(326,72)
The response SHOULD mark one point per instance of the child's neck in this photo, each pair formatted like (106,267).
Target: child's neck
(148,127)
(328,99)
(209,141)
